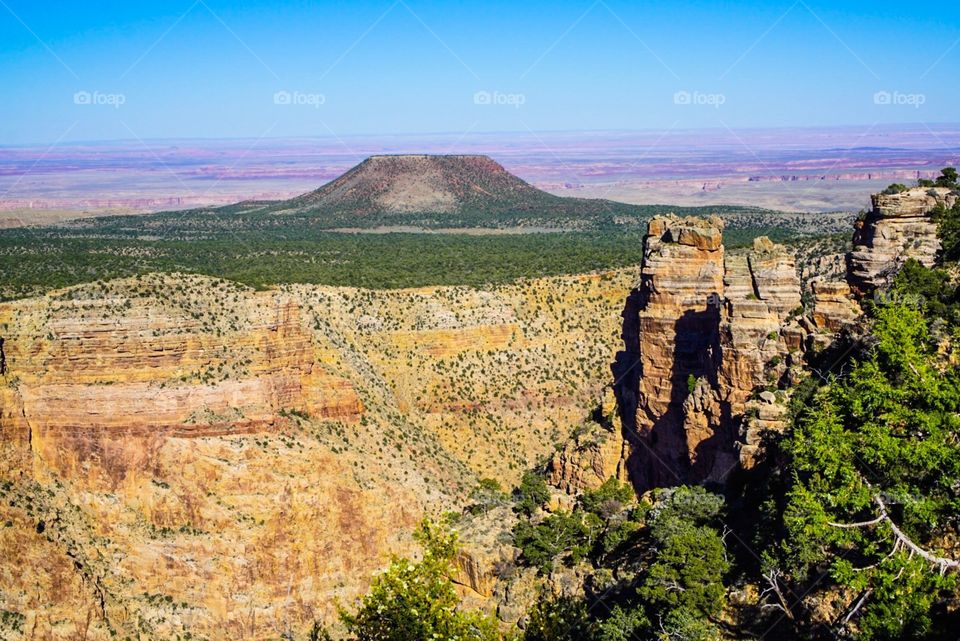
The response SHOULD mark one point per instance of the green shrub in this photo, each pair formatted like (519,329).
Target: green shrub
(560,619)
(947,178)
(885,434)
(608,499)
(895,188)
(562,534)
(487,495)
(531,494)
(418,600)
(691,561)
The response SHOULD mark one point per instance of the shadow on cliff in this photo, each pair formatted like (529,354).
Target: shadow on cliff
(660,453)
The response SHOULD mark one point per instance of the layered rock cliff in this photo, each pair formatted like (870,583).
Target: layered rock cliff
(178,453)
(708,339)
(87,363)
(714,341)
(898,227)
(672,325)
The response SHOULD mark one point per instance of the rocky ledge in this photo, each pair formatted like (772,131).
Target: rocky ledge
(897,228)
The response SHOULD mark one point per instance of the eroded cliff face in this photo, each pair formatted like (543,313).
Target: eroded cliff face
(898,227)
(88,367)
(714,340)
(183,454)
(596,452)
(673,320)
(709,339)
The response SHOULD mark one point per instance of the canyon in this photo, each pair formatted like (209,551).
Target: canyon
(183,455)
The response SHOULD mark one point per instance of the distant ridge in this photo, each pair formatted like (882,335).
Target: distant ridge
(421,192)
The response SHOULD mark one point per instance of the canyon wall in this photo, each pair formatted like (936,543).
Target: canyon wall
(179,453)
(714,340)
(182,454)
(710,337)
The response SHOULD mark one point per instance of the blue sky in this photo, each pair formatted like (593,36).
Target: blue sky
(208,68)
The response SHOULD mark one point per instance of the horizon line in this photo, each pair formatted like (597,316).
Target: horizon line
(524,133)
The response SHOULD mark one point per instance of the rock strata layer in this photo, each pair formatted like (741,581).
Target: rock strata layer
(897,228)
(706,335)
(199,451)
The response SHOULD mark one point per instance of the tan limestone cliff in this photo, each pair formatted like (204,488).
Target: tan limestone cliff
(761,300)
(677,337)
(898,227)
(707,333)
(233,463)
(833,306)
(596,453)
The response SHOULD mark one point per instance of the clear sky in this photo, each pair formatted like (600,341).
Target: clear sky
(209,68)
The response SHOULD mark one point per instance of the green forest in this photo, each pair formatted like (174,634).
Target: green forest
(34,261)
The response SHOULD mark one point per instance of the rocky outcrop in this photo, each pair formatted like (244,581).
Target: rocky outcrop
(482,556)
(762,417)
(897,228)
(761,303)
(702,424)
(714,342)
(833,305)
(706,334)
(677,311)
(760,329)
(595,454)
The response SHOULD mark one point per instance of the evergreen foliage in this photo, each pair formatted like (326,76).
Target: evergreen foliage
(417,600)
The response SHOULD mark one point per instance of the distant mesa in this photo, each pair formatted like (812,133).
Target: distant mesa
(415,192)
(389,188)
(422,183)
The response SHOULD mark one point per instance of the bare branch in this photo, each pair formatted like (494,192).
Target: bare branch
(772,577)
(856,525)
(857,605)
(940,562)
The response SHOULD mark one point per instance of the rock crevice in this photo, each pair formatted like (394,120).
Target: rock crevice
(707,335)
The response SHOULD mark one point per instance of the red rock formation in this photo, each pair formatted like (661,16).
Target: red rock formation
(91,378)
